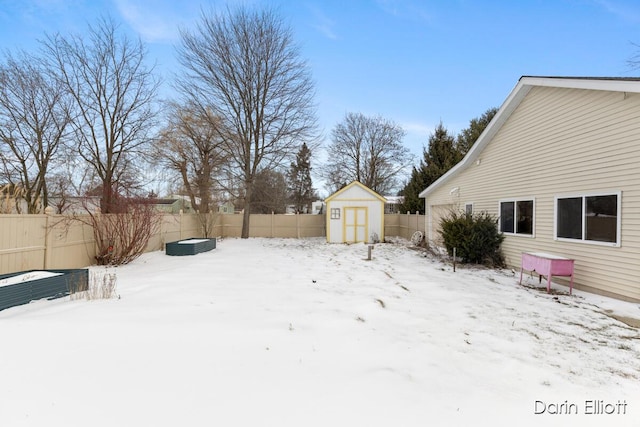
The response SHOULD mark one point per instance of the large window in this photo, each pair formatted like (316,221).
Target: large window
(589,218)
(516,217)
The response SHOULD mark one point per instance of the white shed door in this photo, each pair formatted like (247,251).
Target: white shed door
(355,224)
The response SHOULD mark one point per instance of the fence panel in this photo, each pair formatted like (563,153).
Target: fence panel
(403,225)
(272,225)
(32,242)
(22,242)
(70,242)
(230,225)
(174,227)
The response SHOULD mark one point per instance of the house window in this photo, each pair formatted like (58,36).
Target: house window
(468,208)
(516,217)
(335,213)
(589,218)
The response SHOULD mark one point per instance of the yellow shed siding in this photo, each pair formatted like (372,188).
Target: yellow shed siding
(355,195)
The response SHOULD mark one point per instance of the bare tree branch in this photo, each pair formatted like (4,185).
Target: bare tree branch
(191,146)
(33,125)
(369,150)
(244,67)
(114,95)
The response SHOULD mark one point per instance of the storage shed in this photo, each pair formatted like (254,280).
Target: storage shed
(355,214)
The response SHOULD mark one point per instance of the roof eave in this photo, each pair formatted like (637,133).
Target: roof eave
(508,106)
(522,88)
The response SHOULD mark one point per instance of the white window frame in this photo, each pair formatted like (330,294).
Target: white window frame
(335,213)
(515,215)
(584,196)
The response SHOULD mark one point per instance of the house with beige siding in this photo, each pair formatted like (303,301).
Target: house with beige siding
(559,167)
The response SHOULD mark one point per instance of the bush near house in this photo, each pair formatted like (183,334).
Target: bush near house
(475,237)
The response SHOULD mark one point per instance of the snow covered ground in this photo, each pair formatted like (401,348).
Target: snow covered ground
(32,275)
(284,332)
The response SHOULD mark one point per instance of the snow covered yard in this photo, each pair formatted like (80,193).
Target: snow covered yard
(283,332)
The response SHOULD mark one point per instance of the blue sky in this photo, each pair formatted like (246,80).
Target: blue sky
(416,62)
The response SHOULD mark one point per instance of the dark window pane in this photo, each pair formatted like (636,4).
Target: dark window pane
(601,218)
(569,219)
(506,217)
(524,211)
(468,209)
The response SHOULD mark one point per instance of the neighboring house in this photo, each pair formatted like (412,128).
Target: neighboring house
(184,203)
(559,165)
(174,204)
(318,207)
(82,205)
(226,208)
(355,214)
(392,204)
(170,205)
(73,205)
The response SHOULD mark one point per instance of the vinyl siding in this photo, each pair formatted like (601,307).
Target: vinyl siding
(435,214)
(561,142)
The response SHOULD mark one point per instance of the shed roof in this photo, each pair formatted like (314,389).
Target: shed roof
(355,184)
(522,88)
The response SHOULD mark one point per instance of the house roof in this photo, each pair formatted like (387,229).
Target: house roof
(355,184)
(522,88)
(164,201)
(394,199)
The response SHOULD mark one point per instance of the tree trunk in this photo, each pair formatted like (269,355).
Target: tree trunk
(245,221)
(105,201)
(247,212)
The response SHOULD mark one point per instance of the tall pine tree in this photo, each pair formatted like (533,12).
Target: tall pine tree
(300,186)
(443,153)
(441,156)
(470,135)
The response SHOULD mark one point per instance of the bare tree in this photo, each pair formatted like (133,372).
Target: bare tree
(243,65)
(33,122)
(366,149)
(114,93)
(191,146)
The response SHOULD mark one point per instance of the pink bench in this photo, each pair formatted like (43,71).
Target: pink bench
(547,265)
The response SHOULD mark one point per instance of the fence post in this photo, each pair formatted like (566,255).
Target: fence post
(407,227)
(48,238)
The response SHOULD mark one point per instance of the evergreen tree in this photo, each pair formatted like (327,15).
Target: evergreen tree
(470,135)
(411,201)
(444,152)
(269,192)
(299,185)
(441,156)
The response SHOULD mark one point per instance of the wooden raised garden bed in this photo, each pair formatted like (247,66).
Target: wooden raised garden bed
(25,286)
(190,246)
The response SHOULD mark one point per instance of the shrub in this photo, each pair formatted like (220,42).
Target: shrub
(122,237)
(475,237)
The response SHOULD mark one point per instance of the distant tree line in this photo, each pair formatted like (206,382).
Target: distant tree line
(82,117)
